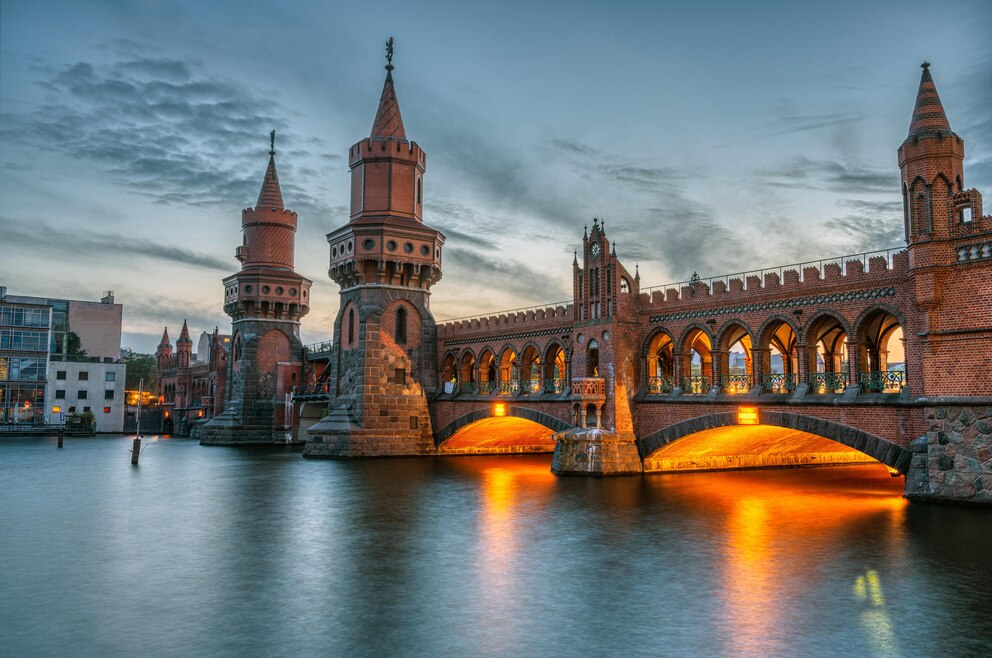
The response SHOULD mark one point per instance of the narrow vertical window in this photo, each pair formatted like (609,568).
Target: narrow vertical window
(401,326)
(420,190)
(351,326)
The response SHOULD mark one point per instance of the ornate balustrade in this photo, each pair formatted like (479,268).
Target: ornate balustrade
(696,385)
(735,384)
(779,383)
(882,381)
(554,386)
(532,386)
(466,388)
(314,392)
(660,385)
(589,389)
(828,382)
(487,388)
(509,388)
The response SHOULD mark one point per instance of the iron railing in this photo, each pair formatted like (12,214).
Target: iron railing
(317,348)
(532,386)
(509,388)
(554,386)
(315,391)
(882,381)
(778,383)
(827,382)
(660,385)
(735,384)
(466,388)
(487,388)
(696,385)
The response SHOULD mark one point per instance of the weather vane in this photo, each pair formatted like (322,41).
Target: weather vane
(389,54)
(272,143)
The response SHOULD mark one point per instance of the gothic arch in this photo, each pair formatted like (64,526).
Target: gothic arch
(765,331)
(891,454)
(725,333)
(646,345)
(858,327)
(815,317)
(681,346)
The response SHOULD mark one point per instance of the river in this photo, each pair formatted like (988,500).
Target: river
(235,552)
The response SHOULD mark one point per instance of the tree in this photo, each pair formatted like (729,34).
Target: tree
(73,346)
(139,366)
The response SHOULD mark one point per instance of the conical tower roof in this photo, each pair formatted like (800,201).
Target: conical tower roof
(165,339)
(184,335)
(388,122)
(271,194)
(929,119)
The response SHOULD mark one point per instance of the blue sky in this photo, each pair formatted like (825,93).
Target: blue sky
(712,137)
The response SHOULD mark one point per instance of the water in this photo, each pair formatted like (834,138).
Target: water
(224,552)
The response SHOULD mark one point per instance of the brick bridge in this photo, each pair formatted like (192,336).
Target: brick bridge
(881,357)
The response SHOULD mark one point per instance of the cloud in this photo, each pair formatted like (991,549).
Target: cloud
(80,243)
(787,123)
(832,175)
(871,226)
(167,131)
(508,275)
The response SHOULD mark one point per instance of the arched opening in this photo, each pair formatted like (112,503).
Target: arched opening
(779,358)
(448,376)
(351,327)
(736,366)
(697,367)
(487,372)
(592,359)
(828,367)
(466,373)
(881,355)
(592,416)
(501,427)
(554,370)
(530,370)
(509,376)
(661,364)
(400,329)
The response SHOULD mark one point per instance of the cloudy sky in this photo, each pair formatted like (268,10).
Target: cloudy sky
(712,137)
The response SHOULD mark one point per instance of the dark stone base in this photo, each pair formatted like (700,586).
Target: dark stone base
(596,453)
(227,430)
(362,445)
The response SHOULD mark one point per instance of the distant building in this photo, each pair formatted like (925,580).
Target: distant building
(61,356)
(191,386)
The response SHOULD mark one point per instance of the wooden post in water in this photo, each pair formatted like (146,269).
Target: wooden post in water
(61,431)
(135,450)
(136,446)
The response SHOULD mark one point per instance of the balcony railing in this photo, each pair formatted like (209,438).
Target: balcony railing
(589,388)
(314,392)
(660,385)
(532,386)
(883,381)
(487,388)
(554,386)
(827,382)
(778,383)
(696,385)
(466,388)
(509,388)
(735,384)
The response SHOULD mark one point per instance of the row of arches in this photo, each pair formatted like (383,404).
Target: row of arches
(533,370)
(827,352)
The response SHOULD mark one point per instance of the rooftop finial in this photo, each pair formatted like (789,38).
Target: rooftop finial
(925,65)
(272,143)
(389,54)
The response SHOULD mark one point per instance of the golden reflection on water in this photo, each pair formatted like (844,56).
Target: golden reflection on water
(777,523)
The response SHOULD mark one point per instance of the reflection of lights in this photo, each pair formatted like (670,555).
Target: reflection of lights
(499,409)
(747,415)
(874,619)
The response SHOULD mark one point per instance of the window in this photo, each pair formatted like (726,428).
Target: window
(401,326)
(399,377)
(351,326)
(106,410)
(624,285)
(60,395)
(420,191)
(84,376)
(87,410)
(111,376)
(60,374)
(414,422)
(81,395)
(966,215)
(108,394)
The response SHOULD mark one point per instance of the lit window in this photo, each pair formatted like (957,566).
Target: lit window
(106,410)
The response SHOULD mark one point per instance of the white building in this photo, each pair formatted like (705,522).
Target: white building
(87,386)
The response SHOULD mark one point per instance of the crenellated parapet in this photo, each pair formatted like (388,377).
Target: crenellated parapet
(485,326)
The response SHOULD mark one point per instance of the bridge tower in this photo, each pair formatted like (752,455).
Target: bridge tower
(943,223)
(385,259)
(265,300)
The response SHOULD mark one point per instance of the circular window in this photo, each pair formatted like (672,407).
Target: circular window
(248,288)
(265,290)
(279,290)
(292,292)
(408,247)
(351,245)
(424,250)
(369,244)
(334,252)
(391,245)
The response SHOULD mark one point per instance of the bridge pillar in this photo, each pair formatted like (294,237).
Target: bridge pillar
(953,460)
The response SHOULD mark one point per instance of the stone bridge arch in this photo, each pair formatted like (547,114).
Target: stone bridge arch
(891,454)
(512,411)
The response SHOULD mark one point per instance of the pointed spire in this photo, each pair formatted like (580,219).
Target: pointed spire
(271,195)
(575,258)
(388,122)
(929,119)
(184,335)
(614,249)
(165,339)
(637,272)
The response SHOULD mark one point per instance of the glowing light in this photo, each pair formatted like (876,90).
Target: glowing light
(166,414)
(747,416)
(27,405)
(893,472)
(199,414)
(56,410)
(499,409)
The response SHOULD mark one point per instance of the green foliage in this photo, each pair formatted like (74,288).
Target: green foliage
(85,419)
(139,366)
(73,346)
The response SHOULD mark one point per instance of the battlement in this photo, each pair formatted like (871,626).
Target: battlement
(796,279)
(375,148)
(270,214)
(535,317)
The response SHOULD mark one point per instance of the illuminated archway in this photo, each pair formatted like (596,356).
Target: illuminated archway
(660,363)
(881,356)
(777,356)
(530,370)
(781,439)
(500,428)
(554,369)
(826,342)
(466,372)
(448,369)
(509,374)
(736,373)
(487,371)
(697,362)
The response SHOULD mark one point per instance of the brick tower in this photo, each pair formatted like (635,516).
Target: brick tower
(265,300)
(385,340)
(947,234)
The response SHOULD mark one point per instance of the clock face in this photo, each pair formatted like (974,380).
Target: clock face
(594,249)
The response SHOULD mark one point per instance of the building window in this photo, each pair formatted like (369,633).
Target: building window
(106,410)
(60,374)
(87,410)
(351,326)
(420,191)
(108,394)
(60,394)
(111,376)
(81,395)
(399,377)
(966,215)
(84,376)
(401,326)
